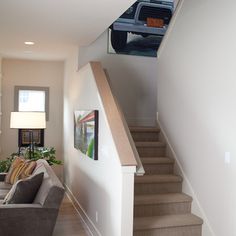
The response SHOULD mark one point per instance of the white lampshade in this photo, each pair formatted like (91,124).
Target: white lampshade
(28,120)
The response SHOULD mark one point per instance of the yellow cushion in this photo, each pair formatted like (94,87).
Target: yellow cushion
(20,168)
(27,170)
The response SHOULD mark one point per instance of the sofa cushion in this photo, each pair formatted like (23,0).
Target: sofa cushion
(20,168)
(12,174)
(24,190)
(27,170)
(51,191)
(40,167)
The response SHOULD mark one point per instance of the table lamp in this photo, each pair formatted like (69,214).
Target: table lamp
(30,121)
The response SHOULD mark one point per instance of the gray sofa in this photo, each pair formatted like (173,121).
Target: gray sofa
(38,218)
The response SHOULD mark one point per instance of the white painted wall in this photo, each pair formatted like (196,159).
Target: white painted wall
(197,105)
(101,186)
(33,73)
(133,80)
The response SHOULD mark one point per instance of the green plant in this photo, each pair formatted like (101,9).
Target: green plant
(49,154)
(5,164)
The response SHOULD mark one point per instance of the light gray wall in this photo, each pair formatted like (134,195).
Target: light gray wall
(33,73)
(197,105)
(133,79)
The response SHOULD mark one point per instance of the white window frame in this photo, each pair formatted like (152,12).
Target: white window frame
(32,88)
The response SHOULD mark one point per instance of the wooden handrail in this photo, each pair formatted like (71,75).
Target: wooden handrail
(114,117)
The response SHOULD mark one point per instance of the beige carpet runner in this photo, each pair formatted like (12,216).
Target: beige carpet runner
(160,207)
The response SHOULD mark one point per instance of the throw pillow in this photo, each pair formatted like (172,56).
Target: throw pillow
(40,168)
(24,190)
(27,169)
(14,170)
(20,168)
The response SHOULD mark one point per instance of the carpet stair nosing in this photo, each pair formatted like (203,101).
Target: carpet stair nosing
(166,221)
(150,199)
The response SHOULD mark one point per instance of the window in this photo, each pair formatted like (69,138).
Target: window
(32,99)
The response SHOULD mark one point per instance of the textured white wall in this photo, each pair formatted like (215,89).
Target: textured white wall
(33,73)
(197,105)
(98,186)
(133,80)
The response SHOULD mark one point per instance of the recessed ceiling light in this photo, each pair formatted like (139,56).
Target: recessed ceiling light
(29,43)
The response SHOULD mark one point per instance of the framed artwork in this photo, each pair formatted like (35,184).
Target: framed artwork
(141,28)
(24,137)
(86,132)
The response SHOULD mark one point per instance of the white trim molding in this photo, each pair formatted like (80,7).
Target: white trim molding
(87,222)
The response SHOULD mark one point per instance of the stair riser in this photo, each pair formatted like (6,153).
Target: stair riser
(162,209)
(151,151)
(159,168)
(172,231)
(143,137)
(152,188)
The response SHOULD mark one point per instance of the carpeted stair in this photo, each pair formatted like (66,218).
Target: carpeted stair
(160,207)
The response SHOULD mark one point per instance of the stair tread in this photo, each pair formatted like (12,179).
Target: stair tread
(154,222)
(157,160)
(158,179)
(149,199)
(144,129)
(149,144)
(154,157)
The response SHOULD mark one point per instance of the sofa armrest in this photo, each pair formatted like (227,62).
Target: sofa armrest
(27,220)
(2,176)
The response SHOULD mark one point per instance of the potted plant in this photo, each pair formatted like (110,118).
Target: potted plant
(49,154)
(5,164)
(46,153)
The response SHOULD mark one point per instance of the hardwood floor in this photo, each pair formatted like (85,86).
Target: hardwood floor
(69,222)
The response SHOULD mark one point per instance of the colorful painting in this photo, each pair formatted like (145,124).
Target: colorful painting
(140,29)
(86,132)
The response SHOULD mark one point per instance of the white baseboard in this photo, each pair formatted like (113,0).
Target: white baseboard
(88,223)
(187,188)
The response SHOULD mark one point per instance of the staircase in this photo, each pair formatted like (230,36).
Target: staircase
(160,207)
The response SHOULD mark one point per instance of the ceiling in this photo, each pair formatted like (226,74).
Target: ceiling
(54,25)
